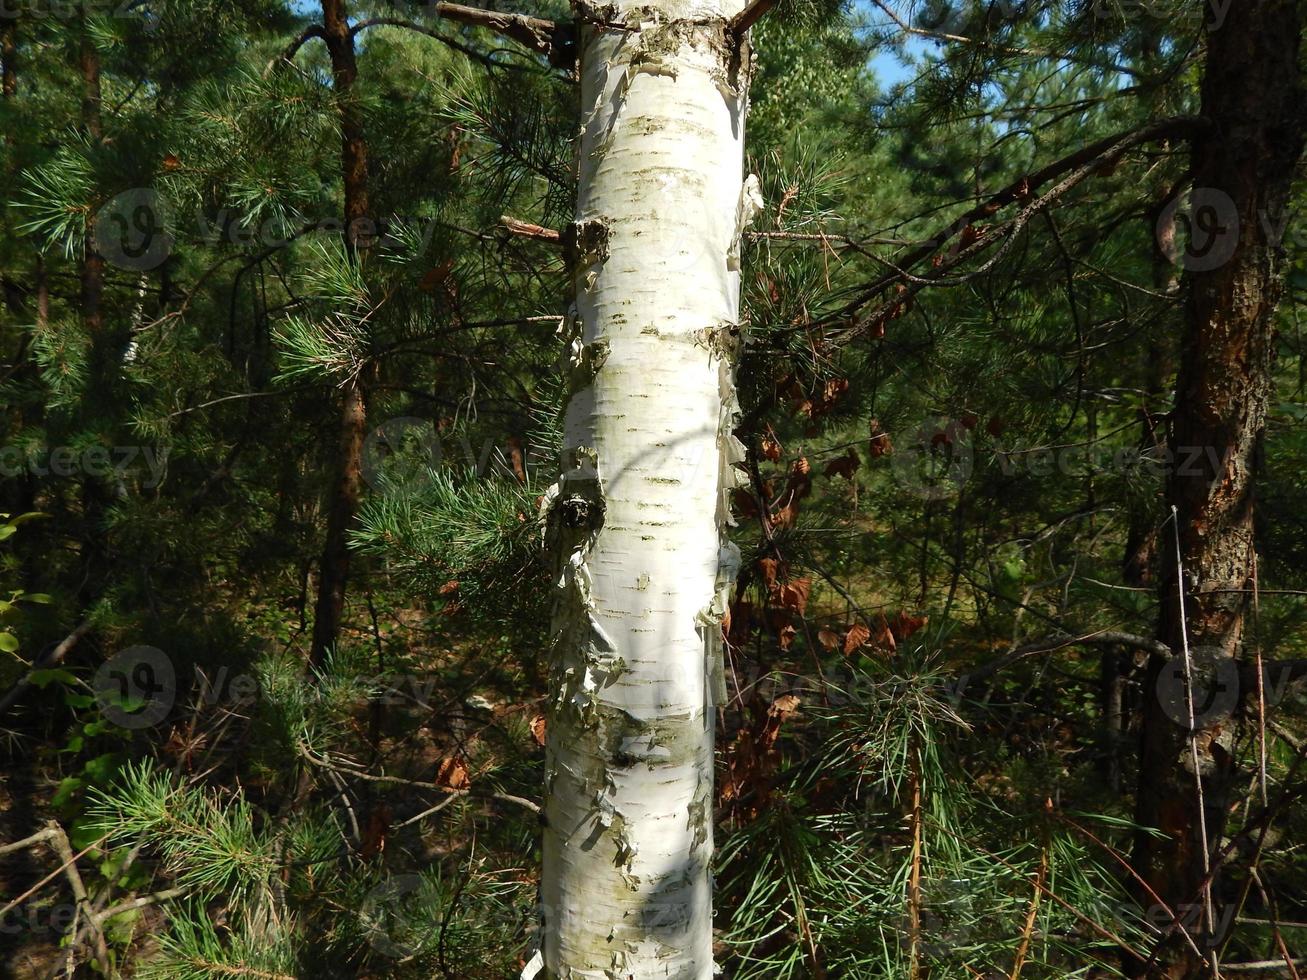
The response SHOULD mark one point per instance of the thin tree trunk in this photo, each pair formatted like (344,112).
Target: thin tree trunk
(346,493)
(359,231)
(1242,175)
(92,274)
(9,61)
(638,513)
(8,89)
(1139,563)
(103,353)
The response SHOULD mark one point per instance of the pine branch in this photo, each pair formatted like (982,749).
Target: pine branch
(429,32)
(554,41)
(306,35)
(1072,169)
(910,29)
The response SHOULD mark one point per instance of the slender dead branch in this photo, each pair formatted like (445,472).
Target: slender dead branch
(444,39)
(1032,914)
(1049,644)
(54,836)
(333,766)
(528,230)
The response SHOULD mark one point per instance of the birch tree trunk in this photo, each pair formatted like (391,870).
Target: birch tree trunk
(638,514)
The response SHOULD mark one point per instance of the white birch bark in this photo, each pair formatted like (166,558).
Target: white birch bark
(638,515)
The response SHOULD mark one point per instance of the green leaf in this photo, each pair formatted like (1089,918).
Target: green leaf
(8,642)
(103,768)
(68,788)
(83,833)
(44,678)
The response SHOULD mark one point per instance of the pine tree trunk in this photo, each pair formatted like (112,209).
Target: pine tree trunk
(348,487)
(1242,173)
(9,61)
(638,514)
(9,89)
(92,273)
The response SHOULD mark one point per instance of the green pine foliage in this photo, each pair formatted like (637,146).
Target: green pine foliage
(945,468)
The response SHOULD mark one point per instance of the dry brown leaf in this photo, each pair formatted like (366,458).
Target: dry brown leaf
(903,625)
(374,834)
(794,594)
(844,466)
(857,635)
(452,773)
(538,729)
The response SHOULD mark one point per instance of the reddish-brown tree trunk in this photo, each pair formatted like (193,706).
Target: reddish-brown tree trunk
(1242,172)
(9,61)
(8,89)
(359,232)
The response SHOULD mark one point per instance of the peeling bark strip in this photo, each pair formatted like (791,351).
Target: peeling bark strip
(1243,171)
(638,515)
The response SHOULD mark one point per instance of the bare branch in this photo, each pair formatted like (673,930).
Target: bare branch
(527,230)
(1071,170)
(292,49)
(750,15)
(1048,644)
(555,41)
